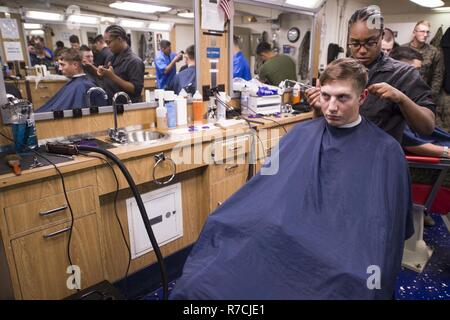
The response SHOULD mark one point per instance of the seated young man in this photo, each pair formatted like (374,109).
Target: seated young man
(434,145)
(73,94)
(330,224)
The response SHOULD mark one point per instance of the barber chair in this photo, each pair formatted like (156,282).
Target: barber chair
(426,198)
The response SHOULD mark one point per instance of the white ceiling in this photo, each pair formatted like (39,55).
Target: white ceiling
(389,7)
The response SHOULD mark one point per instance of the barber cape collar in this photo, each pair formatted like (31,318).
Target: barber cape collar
(330,223)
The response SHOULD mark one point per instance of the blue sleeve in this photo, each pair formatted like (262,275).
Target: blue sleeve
(160,64)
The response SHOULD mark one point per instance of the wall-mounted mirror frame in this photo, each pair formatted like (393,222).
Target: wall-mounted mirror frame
(279,5)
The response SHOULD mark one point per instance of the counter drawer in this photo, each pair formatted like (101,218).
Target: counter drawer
(37,213)
(230,148)
(223,171)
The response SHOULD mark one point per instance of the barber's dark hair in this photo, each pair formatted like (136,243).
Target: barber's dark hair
(74,39)
(59,44)
(117,31)
(71,55)
(371,14)
(164,44)
(237,41)
(346,69)
(99,38)
(85,48)
(405,53)
(190,51)
(263,47)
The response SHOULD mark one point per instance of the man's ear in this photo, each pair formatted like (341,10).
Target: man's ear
(363,96)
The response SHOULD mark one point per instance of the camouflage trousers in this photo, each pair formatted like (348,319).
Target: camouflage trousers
(443,111)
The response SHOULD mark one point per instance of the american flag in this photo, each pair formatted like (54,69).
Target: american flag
(228,8)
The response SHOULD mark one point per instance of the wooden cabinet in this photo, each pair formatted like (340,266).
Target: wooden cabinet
(41,259)
(41,93)
(230,169)
(35,226)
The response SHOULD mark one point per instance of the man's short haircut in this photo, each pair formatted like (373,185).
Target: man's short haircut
(406,54)
(71,55)
(388,35)
(263,47)
(85,48)
(99,38)
(164,44)
(370,14)
(59,44)
(74,39)
(424,22)
(190,51)
(346,69)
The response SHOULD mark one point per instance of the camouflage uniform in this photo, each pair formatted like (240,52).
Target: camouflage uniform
(432,70)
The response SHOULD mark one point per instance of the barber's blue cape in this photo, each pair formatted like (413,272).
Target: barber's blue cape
(73,95)
(328,225)
(438,137)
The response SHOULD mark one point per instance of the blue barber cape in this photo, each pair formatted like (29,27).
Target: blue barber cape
(184,80)
(438,137)
(73,95)
(338,208)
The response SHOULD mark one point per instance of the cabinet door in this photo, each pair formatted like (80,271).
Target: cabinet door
(42,261)
(222,190)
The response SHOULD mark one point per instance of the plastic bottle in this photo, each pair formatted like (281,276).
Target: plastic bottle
(169,97)
(245,94)
(296,97)
(161,115)
(181,104)
(197,107)
(147,96)
(32,142)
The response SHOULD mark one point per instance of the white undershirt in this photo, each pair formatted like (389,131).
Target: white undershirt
(353,124)
(78,75)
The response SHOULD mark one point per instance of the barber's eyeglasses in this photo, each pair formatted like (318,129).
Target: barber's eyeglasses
(369,44)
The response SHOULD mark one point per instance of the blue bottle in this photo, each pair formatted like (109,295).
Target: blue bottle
(169,97)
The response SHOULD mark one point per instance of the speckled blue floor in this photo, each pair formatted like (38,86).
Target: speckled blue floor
(432,284)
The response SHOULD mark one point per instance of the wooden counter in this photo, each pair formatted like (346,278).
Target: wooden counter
(33,255)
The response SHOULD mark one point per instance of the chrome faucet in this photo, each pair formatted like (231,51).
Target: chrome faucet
(115,134)
(89,92)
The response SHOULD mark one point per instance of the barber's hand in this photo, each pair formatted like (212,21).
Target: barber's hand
(179,57)
(383,90)
(313,96)
(105,72)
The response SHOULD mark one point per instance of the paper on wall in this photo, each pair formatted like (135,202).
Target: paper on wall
(13,50)
(9,29)
(212,17)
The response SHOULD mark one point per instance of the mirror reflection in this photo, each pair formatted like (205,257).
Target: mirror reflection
(271,45)
(111,46)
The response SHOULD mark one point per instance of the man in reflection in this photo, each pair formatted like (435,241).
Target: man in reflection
(87,63)
(276,67)
(124,70)
(241,69)
(73,94)
(74,41)
(185,79)
(103,52)
(166,62)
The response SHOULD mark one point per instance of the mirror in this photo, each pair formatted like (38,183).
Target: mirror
(287,32)
(174,21)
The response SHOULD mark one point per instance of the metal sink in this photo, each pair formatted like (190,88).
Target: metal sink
(147,136)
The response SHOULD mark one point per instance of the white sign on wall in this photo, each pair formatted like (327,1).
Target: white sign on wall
(9,29)
(13,51)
